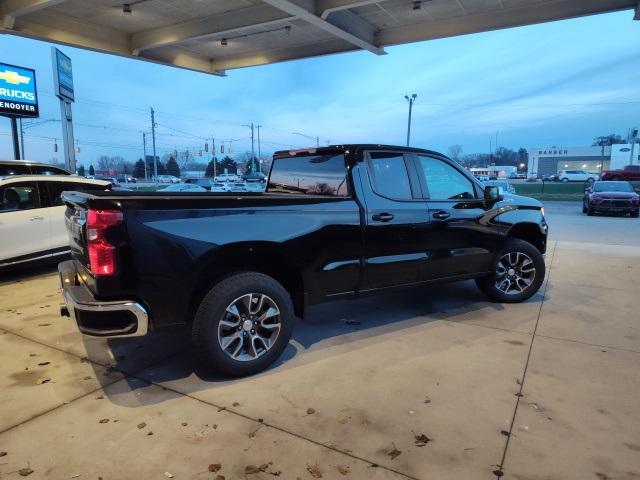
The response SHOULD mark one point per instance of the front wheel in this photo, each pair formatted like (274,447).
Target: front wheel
(518,273)
(243,324)
(565,180)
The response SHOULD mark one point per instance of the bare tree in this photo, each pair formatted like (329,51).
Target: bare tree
(455,152)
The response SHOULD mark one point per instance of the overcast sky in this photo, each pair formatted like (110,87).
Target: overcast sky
(560,83)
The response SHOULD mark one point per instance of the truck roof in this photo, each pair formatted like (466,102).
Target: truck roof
(353,147)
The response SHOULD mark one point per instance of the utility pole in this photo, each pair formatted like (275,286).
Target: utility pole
(410,100)
(213,153)
(14,132)
(259,151)
(633,135)
(252,146)
(144,149)
(21,138)
(153,140)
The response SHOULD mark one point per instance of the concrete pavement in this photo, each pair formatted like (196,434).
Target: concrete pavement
(427,383)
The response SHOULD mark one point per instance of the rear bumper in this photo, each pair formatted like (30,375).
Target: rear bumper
(119,318)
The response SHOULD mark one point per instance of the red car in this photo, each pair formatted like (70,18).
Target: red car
(630,172)
(618,197)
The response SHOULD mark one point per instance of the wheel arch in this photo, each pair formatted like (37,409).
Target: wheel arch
(261,258)
(529,232)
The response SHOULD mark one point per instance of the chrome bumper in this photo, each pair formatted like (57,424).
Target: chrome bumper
(93,316)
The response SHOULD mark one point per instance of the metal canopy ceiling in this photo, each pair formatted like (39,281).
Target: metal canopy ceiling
(216,35)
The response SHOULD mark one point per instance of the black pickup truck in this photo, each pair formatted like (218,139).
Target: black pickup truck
(336,222)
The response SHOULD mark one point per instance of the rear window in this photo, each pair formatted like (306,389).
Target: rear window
(310,175)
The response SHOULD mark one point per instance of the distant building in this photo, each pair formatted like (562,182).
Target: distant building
(545,161)
(499,171)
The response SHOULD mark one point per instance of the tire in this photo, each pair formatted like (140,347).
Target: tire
(584,207)
(591,180)
(514,249)
(635,214)
(590,212)
(565,180)
(236,293)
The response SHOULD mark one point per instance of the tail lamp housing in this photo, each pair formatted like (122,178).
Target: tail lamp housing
(102,253)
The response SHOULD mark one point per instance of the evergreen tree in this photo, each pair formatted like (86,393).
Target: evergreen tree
(162,170)
(227,163)
(138,169)
(172,167)
(81,171)
(92,171)
(210,171)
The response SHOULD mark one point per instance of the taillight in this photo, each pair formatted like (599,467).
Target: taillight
(102,254)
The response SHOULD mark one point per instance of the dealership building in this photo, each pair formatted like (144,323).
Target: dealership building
(545,161)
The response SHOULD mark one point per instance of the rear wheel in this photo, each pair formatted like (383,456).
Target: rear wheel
(243,324)
(590,211)
(584,207)
(565,180)
(518,273)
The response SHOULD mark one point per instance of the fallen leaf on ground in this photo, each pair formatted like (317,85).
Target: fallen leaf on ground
(184,424)
(43,381)
(219,477)
(99,397)
(236,404)
(142,425)
(76,475)
(150,433)
(2,454)
(427,400)
(221,409)
(215,467)
(88,377)
(421,440)
(311,411)
(343,469)
(394,453)
(42,364)
(104,420)
(168,474)
(44,324)
(250,469)
(314,470)
(25,472)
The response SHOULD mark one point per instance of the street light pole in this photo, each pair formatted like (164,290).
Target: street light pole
(410,100)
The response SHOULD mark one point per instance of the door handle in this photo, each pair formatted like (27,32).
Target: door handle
(441,215)
(37,217)
(382,217)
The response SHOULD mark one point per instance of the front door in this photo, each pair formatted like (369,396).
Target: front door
(458,244)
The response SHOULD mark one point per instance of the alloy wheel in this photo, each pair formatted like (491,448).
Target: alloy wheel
(249,327)
(515,272)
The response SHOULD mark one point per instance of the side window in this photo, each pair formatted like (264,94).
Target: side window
(389,175)
(7,169)
(19,196)
(444,182)
(310,175)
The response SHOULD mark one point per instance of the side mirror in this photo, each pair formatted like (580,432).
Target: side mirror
(492,193)
(588,190)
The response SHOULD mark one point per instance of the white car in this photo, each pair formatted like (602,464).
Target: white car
(566,176)
(219,187)
(168,179)
(227,177)
(32,225)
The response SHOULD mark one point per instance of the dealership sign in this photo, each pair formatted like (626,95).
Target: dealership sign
(62,75)
(18,95)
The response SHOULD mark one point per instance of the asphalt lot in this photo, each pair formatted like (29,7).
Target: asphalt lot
(548,389)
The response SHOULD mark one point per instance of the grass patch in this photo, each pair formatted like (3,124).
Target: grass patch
(556,191)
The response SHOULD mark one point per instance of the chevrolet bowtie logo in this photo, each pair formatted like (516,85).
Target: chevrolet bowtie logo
(14,78)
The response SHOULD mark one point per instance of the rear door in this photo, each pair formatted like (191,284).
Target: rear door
(397,223)
(24,223)
(458,244)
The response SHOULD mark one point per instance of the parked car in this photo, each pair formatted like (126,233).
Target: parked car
(168,179)
(126,179)
(335,222)
(183,187)
(566,176)
(483,177)
(32,216)
(611,196)
(25,167)
(630,173)
(220,187)
(237,187)
(227,177)
(255,186)
(503,185)
(254,177)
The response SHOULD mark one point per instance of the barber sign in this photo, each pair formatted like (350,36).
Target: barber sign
(18,95)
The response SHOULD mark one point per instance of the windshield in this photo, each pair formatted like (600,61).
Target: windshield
(612,187)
